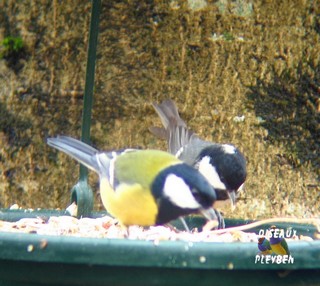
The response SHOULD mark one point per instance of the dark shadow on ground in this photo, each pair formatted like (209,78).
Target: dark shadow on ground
(14,127)
(289,108)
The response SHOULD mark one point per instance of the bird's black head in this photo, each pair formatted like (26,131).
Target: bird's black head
(224,166)
(181,190)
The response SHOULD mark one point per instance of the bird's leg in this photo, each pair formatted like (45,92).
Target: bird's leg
(184,224)
(186,227)
(221,223)
(217,223)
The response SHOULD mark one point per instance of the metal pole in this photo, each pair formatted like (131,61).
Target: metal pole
(81,193)
(89,84)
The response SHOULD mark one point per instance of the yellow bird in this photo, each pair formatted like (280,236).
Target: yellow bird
(277,242)
(143,187)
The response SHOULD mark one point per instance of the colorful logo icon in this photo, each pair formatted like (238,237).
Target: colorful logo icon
(273,247)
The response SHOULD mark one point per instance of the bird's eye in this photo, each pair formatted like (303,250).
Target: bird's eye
(195,194)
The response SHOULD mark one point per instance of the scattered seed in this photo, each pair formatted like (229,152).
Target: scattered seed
(230,266)
(43,243)
(30,248)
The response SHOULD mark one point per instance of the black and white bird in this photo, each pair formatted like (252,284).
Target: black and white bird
(143,187)
(223,165)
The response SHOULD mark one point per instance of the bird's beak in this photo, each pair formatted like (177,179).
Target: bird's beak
(232,197)
(241,188)
(223,197)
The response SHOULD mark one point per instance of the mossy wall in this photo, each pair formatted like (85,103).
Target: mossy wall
(245,72)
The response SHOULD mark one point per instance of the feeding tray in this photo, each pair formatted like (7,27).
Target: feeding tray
(33,259)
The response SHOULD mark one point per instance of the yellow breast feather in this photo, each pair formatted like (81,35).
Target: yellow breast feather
(131,204)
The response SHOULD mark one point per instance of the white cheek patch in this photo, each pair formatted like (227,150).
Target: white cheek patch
(178,192)
(210,173)
(229,149)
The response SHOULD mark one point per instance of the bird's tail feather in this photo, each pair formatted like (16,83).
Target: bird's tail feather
(175,130)
(77,149)
(168,113)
